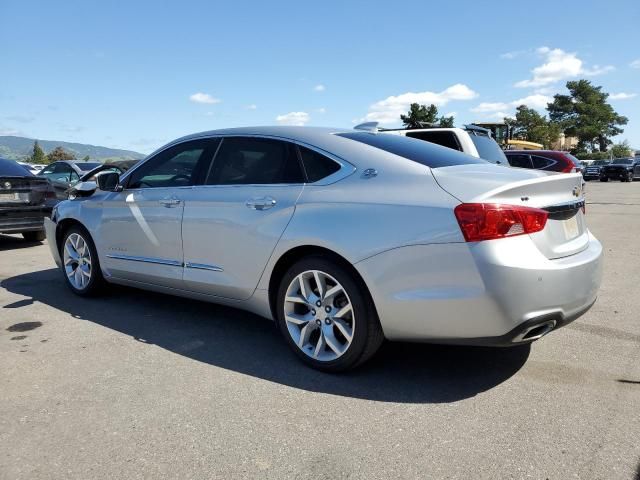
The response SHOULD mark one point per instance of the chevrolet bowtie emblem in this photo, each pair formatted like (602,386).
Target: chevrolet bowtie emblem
(576,191)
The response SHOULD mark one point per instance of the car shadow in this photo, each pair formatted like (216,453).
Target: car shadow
(9,242)
(239,341)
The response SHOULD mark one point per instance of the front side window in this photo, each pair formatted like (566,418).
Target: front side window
(173,167)
(255,161)
(520,161)
(316,165)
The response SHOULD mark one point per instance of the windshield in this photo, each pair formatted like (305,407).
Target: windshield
(489,149)
(425,153)
(600,162)
(623,161)
(86,166)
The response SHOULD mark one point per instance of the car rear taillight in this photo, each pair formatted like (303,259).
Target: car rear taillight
(569,168)
(488,221)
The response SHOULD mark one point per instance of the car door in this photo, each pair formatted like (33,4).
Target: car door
(60,175)
(139,236)
(234,220)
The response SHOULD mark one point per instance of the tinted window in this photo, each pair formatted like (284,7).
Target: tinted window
(426,153)
(444,138)
(9,168)
(248,160)
(58,171)
(174,167)
(86,166)
(316,165)
(541,162)
(623,161)
(488,148)
(520,161)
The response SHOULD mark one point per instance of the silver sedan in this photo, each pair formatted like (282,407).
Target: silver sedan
(344,238)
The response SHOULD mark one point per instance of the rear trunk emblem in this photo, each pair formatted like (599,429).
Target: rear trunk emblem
(576,191)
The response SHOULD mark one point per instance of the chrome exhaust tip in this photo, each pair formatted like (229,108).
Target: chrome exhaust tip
(535,332)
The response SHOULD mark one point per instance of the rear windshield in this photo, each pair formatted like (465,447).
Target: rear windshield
(601,162)
(575,161)
(9,168)
(488,149)
(86,166)
(425,153)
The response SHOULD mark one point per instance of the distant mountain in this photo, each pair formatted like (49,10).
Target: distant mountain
(17,148)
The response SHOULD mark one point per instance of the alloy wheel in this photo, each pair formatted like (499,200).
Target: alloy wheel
(77,261)
(319,315)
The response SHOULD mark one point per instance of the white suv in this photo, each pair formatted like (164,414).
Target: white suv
(472,140)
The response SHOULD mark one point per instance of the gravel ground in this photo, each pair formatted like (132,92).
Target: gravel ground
(137,385)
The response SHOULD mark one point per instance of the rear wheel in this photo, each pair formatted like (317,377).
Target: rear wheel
(80,262)
(630,177)
(37,236)
(326,316)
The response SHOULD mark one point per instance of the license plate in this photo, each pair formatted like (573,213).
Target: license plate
(10,197)
(571,229)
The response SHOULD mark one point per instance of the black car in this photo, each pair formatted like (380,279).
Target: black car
(623,169)
(592,171)
(66,173)
(24,201)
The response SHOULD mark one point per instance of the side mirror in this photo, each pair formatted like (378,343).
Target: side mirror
(109,182)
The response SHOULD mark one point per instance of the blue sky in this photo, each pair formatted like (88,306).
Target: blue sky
(138,74)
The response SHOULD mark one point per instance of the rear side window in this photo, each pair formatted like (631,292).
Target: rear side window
(255,161)
(488,148)
(316,165)
(425,153)
(9,168)
(444,138)
(541,162)
(520,161)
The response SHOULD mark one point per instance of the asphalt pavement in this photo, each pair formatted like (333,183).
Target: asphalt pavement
(139,385)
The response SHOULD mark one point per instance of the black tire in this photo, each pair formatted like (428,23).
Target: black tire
(368,335)
(96,281)
(35,236)
(630,177)
(604,179)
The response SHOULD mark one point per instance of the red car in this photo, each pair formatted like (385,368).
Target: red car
(550,160)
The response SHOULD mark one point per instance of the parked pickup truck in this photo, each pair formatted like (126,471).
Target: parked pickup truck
(623,169)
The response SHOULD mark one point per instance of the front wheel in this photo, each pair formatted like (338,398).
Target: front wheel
(80,262)
(327,316)
(604,179)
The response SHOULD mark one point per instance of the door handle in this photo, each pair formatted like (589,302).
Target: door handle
(169,202)
(262,203)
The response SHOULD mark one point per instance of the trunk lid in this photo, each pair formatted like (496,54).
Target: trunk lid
(23,191)
(560,194)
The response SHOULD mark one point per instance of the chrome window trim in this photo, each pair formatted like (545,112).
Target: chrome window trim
(345,170)
(203,266)
(159,261)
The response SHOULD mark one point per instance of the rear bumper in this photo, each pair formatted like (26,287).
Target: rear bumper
(488,293)
(22,219)
(50,230)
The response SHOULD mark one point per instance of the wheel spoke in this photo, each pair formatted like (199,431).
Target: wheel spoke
(296,299)
(333,343)
(304,287)
(296,319)
(332,292)
(305,333)
(343,311)
(71,272)
(320,284)
(71,250)
(319,346)
(85,271)
(344,328)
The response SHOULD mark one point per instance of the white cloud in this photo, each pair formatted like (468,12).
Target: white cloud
(451,114)
(560,65)
(499,109)
(622,96)
(10,131)
(293,118)
(319,88)
(512,55)
(635,63)
(203,98)
(21,118)
(253,106)
(322,110)
(208,114)
(390,109)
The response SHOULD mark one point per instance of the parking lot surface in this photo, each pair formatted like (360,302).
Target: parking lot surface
(139,385)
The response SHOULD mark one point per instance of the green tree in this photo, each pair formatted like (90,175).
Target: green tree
(420,116)
(586,114)
(621,150)
(529,125)
(37,156)
(86,158)
(58,154)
